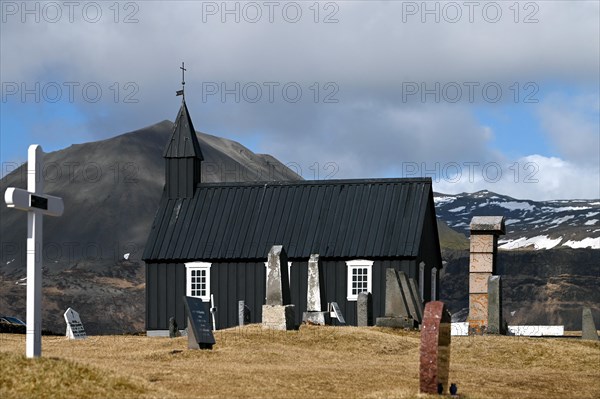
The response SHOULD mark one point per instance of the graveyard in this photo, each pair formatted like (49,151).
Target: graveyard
(318,362)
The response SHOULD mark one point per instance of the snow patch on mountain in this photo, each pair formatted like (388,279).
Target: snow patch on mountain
(590,242)
(538,242)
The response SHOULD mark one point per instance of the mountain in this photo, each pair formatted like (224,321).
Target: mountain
(111,190)
(529,224)
(548,258)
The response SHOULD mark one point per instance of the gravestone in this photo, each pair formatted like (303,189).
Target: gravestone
(36,204)
(200,335)
(482,264)
(397,314)
(75,328)
(364,309)
(434,365)
(314,296)
(278,313)
(417,295)
(336,313)
(173,330)
(588,327)
(496,324)
(411,300)
(243,313)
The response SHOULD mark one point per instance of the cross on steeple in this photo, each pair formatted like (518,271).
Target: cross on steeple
(182,92)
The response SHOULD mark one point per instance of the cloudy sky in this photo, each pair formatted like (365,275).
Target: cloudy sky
(478,95)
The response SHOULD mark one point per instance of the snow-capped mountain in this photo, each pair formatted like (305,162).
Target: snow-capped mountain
(529,224)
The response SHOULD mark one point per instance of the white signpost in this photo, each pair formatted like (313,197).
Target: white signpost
(36,204)
(75,328)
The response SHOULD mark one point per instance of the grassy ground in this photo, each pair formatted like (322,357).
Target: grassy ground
(310,363)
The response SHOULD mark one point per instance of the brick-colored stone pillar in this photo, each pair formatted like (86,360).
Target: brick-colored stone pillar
(484,247)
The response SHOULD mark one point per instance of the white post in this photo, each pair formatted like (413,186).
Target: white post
(36,204)
(35,184)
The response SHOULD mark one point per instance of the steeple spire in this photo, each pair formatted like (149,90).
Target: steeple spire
(182,154)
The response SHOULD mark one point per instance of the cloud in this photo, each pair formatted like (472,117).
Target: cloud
(370,55)
(571,122)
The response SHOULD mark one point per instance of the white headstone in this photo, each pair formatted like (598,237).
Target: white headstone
(75,328)
(36,204)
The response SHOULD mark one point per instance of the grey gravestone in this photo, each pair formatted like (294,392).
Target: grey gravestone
(364,309)
(495,320)
(588,327)
(200,335)
(336,312)
(278,289)
(416,294)
(75,328)
(314,295)
(173,330)
(411,301)
(243,313)
(278,313)
(397,314)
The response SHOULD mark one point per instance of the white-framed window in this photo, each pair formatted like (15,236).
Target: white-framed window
(197,280)
(359,278)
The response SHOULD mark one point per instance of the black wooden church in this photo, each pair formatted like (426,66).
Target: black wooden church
(212,239)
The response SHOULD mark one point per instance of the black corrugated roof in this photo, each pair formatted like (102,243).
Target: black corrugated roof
(183,143)
(336,219)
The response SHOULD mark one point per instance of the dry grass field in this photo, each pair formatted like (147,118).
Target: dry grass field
(329,362)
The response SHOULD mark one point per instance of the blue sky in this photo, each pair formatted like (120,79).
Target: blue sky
(388,89)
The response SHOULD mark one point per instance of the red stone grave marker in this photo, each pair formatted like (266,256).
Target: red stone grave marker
(435,348)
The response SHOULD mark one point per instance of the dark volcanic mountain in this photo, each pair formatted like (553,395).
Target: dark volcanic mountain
(111,190)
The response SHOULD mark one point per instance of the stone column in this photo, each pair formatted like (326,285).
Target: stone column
(314,295)
(484,246)
(278,313)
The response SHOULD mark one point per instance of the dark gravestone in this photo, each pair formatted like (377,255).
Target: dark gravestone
(364,309)
(200,334)
(173,330)
(435,348)
(588,327)
(495,320)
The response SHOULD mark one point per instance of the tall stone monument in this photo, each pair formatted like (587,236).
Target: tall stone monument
(588,327)
(434,365)
(484,247)
(36,204)
(278,313)
(314,296)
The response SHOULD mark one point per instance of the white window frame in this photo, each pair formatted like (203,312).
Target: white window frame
(190,267)
(358,264)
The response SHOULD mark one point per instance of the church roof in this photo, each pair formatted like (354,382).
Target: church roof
(183,143)
(377,218)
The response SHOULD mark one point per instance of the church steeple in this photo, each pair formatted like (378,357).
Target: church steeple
(183,156)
